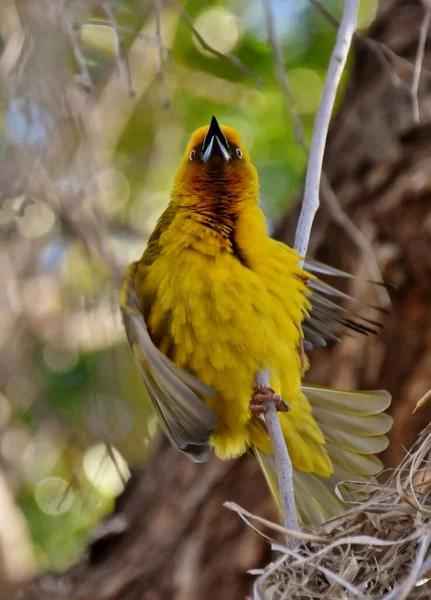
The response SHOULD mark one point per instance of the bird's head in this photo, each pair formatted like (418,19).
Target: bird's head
(216,167)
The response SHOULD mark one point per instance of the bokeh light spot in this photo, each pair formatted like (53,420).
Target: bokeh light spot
(219,27)
(114,190)
(37,220)
(5,410)
(40,296)
(13,443)
(60,360)
(109,418)
(367,13)
(54,496)
(306,86)
(103,472)
(98,36)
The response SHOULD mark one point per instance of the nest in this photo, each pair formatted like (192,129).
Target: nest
(379,549)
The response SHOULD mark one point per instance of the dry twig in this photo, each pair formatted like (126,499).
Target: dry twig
(71,32)
(228,57)
(333,204)
(137,34)
(283,465)
(282,75)
(355,234)
(121,56)
(381,49)
(420,52)
(310,203)
(379,549)
(160,72)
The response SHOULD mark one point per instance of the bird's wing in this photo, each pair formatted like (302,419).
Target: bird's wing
(328,319)
(186,419)
(354,427)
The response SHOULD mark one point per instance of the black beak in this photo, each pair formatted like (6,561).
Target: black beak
(215,142)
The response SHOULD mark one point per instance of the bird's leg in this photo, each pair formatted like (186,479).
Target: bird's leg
(263,394)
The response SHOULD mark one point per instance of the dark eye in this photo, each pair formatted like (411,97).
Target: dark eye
(238,153)
(192,154)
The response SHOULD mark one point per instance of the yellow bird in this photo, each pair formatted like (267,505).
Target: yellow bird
(213,301)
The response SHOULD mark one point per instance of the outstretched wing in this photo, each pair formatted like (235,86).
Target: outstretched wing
(328,319)
(186,419)
(355,427)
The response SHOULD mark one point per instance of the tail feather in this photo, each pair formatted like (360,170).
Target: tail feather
(372,425)
(346,401)
(354,429)
(357,464)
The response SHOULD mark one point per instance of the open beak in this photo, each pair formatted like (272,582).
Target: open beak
(215,143)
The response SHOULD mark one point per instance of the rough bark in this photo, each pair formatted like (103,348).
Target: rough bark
(170,536)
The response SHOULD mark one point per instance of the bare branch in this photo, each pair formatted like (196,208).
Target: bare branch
(160,73)
(422,401)
(333,204)
(325,12)
(71,33)
(310,203)
(379,47)
(283,465)
(121,56)
(282,75)
(121,28)
(228,57)
(385,56)
(364,245)
(420,52)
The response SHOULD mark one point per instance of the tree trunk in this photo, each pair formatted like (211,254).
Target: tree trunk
(170,536)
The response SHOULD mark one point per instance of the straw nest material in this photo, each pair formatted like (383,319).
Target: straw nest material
(379,549)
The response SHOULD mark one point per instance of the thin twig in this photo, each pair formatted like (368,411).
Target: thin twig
(385,56)
(283,465)
(325,12)
(420,53)
(422,401)
(121,56)
(228,57)
(137,34)
(337,62)
(282,75)
(377,45)
(160,72)
(71,33)
(401,592)
(340,216)
(334,205)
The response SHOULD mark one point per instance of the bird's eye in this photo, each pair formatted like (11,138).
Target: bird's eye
(238,153)
(192,154)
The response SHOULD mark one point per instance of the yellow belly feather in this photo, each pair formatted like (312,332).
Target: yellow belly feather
(210,315)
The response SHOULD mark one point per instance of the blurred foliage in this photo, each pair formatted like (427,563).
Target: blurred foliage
(67,380)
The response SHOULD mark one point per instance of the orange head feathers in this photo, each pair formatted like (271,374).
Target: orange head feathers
(216,171)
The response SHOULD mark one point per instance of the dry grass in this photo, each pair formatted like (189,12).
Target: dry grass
(379,549)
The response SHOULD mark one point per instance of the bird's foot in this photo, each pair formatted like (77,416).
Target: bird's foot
(263,394)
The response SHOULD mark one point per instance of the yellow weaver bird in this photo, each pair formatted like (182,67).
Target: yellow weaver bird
(213,301)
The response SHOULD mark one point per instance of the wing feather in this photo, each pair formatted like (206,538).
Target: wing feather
(328,319)
(186,419)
